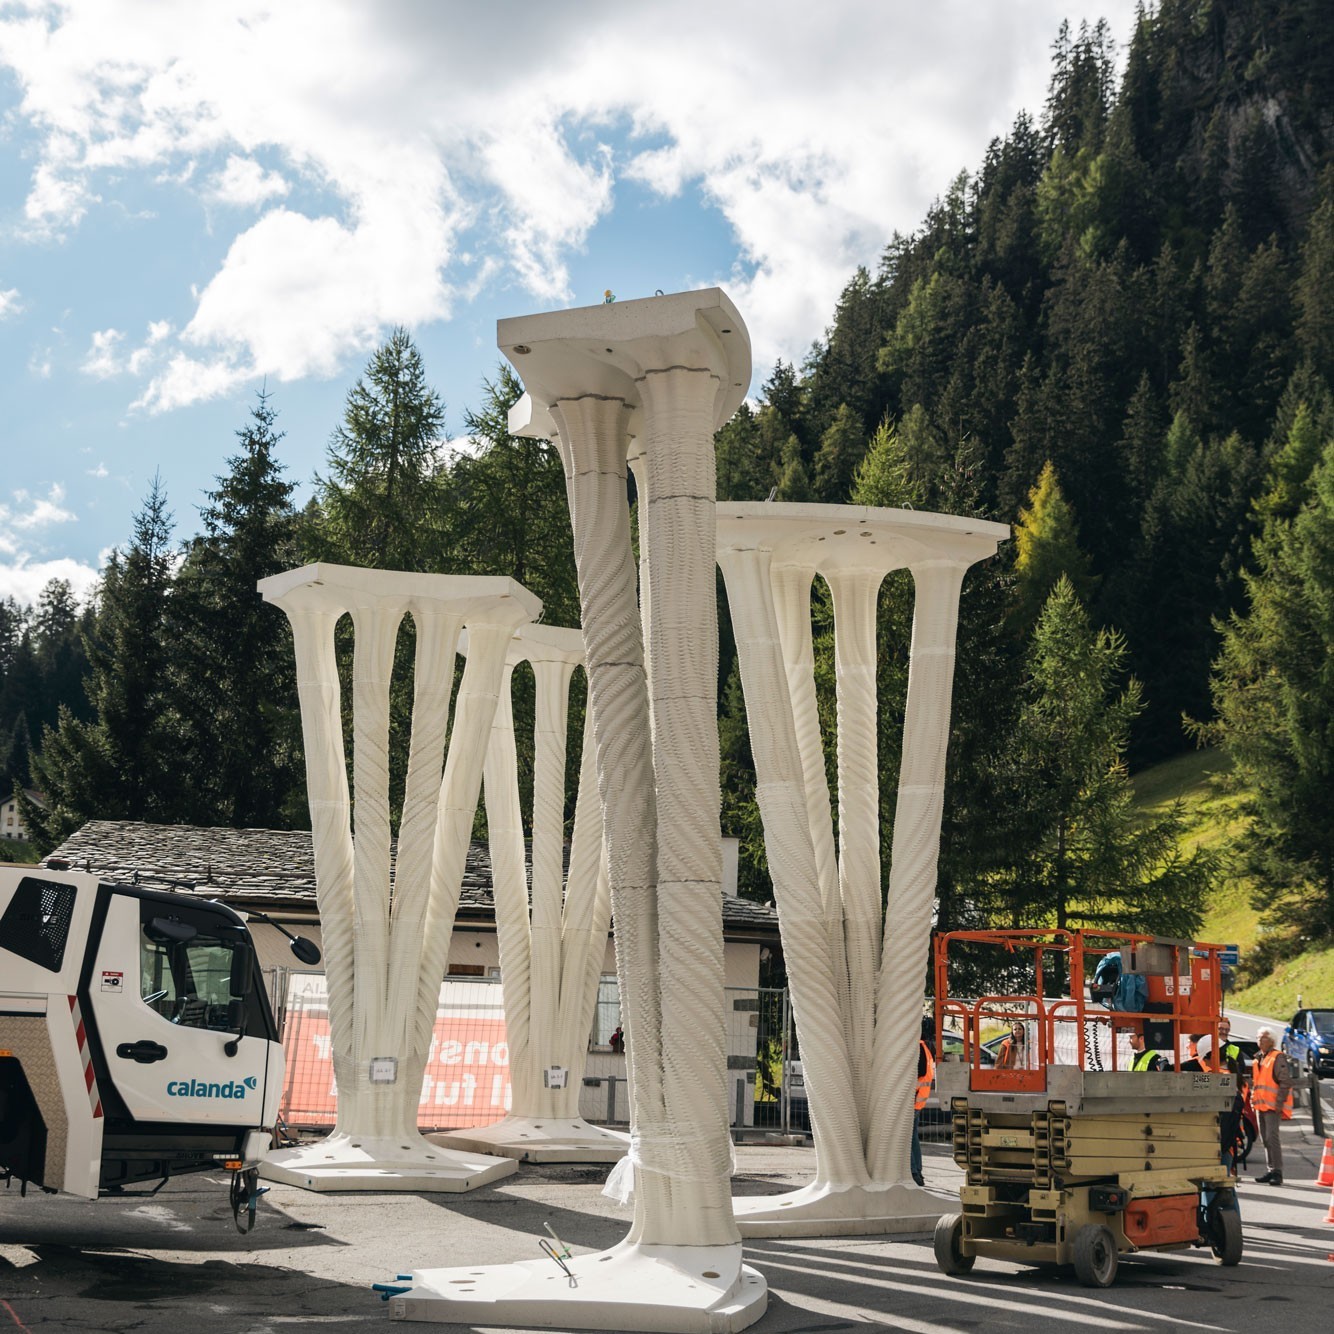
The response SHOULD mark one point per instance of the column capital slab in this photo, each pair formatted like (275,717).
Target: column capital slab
(540,643)
(338,588)
(829,538)
(605,350)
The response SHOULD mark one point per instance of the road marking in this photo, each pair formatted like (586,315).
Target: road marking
(13,1315)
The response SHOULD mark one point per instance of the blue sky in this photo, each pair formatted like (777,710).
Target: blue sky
(196,200)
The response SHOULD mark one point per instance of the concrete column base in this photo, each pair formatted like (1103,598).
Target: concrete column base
(855,1211)
(673,1289)
(361,1162)
(540,1139)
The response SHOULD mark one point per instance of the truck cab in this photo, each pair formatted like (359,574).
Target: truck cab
(136,1037)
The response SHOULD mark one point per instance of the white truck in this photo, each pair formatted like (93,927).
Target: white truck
(136,1038)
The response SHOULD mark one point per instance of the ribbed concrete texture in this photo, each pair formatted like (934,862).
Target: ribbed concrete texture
(552,947)
(669,371)
(841,952)
(385,943)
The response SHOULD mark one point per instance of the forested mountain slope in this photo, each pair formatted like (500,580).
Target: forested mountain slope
(1137,286)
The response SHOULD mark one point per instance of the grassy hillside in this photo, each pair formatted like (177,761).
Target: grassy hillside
(1212,820)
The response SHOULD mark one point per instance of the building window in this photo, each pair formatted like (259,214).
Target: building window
(607,1012)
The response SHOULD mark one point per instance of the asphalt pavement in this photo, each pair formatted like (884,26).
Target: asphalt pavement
(173,1264)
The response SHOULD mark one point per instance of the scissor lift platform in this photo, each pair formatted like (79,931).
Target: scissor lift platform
(1069,1166)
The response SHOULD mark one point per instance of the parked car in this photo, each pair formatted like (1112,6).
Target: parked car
(1308,1042)
(951,1049)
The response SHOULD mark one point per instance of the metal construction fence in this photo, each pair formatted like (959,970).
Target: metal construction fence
(466,1080)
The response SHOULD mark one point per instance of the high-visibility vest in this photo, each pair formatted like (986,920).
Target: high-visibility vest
(925,1079)
(1264,1087)
(1144,1059)
(1219,1065)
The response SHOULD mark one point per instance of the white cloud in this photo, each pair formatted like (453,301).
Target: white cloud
(427,133)
(245,184)
(102,361)
(9,302)
(24,568)
(23,578)
(105,359)
(99,472)
(30,512)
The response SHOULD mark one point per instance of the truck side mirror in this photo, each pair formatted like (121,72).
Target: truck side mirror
(237,1018)
(305,950)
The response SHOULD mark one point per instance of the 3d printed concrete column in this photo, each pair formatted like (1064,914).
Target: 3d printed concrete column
(551,952)
(386,938)
(857,984)
(678,365)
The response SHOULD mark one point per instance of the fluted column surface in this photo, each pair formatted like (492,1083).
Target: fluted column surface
(916,851)
(678,533)
(781,792)
(593,442)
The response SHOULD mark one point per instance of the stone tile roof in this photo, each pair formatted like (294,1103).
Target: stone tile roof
(272,869)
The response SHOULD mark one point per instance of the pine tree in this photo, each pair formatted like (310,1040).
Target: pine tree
(1046,551)
(744,472)
(884,476)
(124,764)
(379,505)
(1093,862)
(233,662)
(841,450)
(505,506)
(794,483)
(1273,689)
(1314,294)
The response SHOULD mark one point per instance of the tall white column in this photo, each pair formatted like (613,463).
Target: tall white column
(679,366)
(857,1001)
(551,949)
(387,926)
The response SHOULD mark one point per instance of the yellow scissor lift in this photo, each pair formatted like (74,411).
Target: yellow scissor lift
(1071,1157)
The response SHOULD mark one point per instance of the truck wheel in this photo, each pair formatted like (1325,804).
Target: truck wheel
(1095,1256)
(948,1242)
(1225,1234)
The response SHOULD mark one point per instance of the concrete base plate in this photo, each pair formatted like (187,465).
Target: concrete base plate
(539,1139)
(673,1289)
(360,1162)
(857,1211)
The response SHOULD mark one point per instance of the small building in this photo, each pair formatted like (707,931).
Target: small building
(11,815)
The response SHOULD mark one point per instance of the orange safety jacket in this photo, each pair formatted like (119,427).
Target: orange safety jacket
(925,1080)
(1264,1087)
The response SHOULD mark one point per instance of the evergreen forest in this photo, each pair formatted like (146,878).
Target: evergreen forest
(1115,333)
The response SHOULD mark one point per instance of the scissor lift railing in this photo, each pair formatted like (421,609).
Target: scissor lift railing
(1182,987)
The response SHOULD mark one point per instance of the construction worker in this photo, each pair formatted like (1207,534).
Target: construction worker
(1232,1056)
(1271,1098)
(1145,1057)
(926,1074)
(1010,1054)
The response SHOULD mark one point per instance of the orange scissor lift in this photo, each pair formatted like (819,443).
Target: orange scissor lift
(1071,1156)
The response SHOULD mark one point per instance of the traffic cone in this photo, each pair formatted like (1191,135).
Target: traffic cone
(1325,1177)
(1329,1217)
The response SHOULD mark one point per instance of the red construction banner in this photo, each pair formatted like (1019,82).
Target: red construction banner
(466,1081)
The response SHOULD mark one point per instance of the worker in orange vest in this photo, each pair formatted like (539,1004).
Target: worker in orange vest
(926,1074)
(1010,1054)
(1271,1098)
